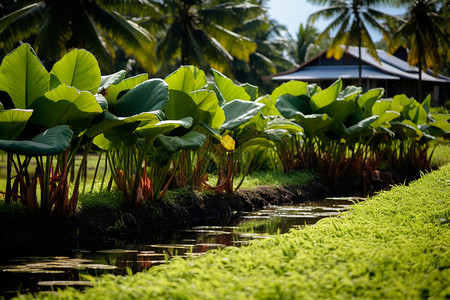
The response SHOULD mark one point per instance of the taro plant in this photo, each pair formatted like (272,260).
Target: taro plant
(335,126)
(415,130)
(133,102)
(59,100)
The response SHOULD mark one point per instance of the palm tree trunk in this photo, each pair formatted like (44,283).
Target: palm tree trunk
(419,86)
(359,61)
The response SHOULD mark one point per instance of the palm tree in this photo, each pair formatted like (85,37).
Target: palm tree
(425,33)
(268,58)
(201,33)
(54,27)
(352,20)
(305,45)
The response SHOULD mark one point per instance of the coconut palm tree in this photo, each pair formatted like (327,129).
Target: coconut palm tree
(201,32)
(351,22)
(54,27)
(305,45)
(269,56)
(425,33)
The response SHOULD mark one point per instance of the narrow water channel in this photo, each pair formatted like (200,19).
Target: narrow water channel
(32,274)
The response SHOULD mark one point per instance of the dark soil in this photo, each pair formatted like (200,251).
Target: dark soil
(25,234)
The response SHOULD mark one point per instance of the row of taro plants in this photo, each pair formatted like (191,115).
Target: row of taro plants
(158,134)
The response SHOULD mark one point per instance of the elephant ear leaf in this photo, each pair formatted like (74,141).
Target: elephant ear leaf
(66,106)
(239,112)
(186,79)
(192,140)
(111,79)
(327,96)
(12,122)
(150,95)
(50,142)
(295,88)
(23,76)
(228,89)
(78,68)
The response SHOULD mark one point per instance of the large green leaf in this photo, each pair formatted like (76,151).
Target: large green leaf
(111,121)
(192,140)
(23,76)
(314,124)
(212,86)
(12,122)
(357,128)
(289,105)
(285,124)
(239,112)
(406,129)
(326,97)
(417,114)
(437,129)
(108,141)
(186,79)
(78,68)
(251,90)
(113,91)
(151,131)
(228,89)
(367,100)
(150,95)
(350,92)
(111,79)
(339,110)
(276,135)
(426,104)
(294,88)
(380,106)
(181,105)
(101,100)
(385,118)
(210,112)
(65,106)
(50,142)
(269,108)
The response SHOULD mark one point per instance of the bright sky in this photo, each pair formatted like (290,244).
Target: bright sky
(293,12)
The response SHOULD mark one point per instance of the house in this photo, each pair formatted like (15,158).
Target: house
(392,73)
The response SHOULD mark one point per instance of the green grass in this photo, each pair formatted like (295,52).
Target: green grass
(103,199)
(395,245)
(441,155)
(272,178)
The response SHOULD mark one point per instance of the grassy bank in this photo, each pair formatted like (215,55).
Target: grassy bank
(395,245)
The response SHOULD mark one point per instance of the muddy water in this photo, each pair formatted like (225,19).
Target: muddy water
(31,274)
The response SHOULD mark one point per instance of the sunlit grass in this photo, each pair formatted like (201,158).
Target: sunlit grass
(271,178)
(441,155)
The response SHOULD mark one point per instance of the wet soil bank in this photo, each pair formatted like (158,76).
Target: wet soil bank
(26,234)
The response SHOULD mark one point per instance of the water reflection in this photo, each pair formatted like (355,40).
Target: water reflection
(31,274)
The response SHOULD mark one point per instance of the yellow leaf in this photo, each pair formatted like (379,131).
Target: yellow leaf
(228,143)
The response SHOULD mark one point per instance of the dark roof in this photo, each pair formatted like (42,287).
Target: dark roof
(390,67)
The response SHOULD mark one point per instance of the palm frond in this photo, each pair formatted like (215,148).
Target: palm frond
(170,43)
(93,40)
(327,13)
(237,45)
(131,37)
(342,37)
(214,53)
(54,33)
(136,8)
(22,26)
